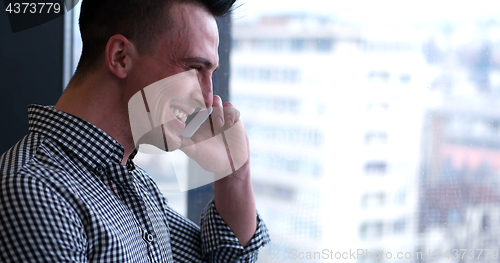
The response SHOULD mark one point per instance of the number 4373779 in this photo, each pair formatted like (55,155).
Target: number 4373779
(33,8)
(471,253)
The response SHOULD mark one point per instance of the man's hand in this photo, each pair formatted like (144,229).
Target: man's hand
(224,151)
(220,145)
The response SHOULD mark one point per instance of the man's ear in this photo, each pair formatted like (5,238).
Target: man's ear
(119,53)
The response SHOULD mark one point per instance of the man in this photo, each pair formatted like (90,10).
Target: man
(70,191)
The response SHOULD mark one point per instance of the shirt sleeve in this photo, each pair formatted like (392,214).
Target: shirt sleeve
(37,224)
(221,245)
(213,241)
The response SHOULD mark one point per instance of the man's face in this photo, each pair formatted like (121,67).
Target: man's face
(192,43)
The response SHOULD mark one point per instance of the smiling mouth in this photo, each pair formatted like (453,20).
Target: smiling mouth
(179,114)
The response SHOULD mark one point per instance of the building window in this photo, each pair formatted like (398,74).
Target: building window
(291,76)
(399,226)
(378,76)
(362,230)
(485,223)
(405,78)
(266,74)
(377,108)
(369,230)
(324,45)
(375,168)
(373,200)
(400,198)
(376,138)
(298,45)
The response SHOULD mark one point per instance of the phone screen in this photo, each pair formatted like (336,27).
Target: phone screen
(194,121)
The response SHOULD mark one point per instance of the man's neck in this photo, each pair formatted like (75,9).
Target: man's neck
(100,101)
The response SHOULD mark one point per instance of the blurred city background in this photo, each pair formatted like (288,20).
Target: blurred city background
(373,125)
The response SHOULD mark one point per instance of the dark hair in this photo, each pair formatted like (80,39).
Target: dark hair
(141,21)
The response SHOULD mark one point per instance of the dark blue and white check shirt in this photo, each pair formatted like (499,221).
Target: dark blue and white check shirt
(65,197)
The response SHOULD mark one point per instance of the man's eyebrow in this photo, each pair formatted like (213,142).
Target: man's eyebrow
(201,60)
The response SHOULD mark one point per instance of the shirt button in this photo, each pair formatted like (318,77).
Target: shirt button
(150,238)
(99,170)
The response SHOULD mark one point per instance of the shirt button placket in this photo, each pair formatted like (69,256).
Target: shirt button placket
(99,170)
(147,237)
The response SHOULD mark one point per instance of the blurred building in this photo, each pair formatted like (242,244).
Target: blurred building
(461,183)
(459,196)
(334,115)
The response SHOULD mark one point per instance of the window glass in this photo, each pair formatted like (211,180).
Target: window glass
(373,125)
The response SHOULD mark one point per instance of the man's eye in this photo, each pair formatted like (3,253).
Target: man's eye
(195,67)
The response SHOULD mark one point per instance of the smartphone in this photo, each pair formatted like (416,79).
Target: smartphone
(194,121)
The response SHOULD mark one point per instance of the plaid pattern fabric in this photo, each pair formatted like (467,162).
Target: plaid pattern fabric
(65,197)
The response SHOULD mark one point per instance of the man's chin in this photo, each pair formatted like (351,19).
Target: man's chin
(161,139)
(174,141)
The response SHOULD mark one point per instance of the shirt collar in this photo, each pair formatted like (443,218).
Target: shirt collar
(91,145)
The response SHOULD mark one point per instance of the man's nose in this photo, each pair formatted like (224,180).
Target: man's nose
(204,95)
(207,90)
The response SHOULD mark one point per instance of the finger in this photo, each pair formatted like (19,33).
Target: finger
(236,112)
(217,113)
(231,114)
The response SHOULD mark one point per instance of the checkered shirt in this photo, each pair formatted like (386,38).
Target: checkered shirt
(65,197)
